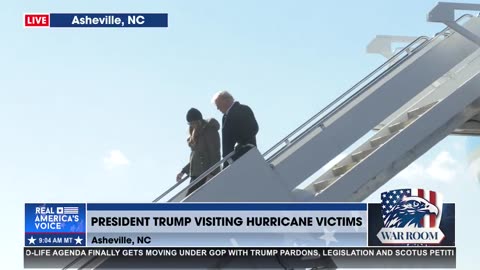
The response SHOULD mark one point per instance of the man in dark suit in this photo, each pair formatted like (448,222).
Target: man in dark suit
(239,126)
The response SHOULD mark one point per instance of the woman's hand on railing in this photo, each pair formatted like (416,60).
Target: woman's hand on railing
(179,176)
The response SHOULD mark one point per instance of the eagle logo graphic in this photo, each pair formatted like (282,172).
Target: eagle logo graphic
(411,208)
(411,217)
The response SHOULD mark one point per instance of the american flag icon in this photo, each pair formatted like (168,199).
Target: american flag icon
(67,210)
(412,208)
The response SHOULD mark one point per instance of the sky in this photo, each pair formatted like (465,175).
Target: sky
(98,115)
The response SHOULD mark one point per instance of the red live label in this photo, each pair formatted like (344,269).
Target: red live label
(37,20)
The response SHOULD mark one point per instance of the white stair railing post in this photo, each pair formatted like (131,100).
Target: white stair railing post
(382,44)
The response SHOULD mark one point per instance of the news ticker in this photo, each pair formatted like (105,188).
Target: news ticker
(96,20)
(229,224)
(242,257)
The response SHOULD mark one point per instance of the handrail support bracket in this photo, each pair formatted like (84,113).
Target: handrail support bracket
(444,12)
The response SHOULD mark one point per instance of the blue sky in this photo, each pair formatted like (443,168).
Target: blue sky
(98,115)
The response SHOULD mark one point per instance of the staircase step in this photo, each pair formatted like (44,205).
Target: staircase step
(419,111)
(381,140)
(339,170)
(361,154)
(321,185)
(399,126)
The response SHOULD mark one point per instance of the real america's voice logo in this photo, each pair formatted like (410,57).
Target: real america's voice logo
(53,224)
(411,216)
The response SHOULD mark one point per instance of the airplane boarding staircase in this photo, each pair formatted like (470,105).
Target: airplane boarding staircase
(422,94)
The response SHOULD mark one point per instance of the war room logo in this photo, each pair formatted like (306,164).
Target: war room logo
(411,216)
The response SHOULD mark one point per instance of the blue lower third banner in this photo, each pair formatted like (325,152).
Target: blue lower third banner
(227,225)
(96,20)
(232,235)
(199,224)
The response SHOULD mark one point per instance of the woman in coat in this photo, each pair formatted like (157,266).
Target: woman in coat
(204,142)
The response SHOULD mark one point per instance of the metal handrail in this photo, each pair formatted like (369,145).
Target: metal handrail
(83,266)
(227,158)
(170,189)
(457,21)
(203,175)
(72,263)
(330,105)
(408,49)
